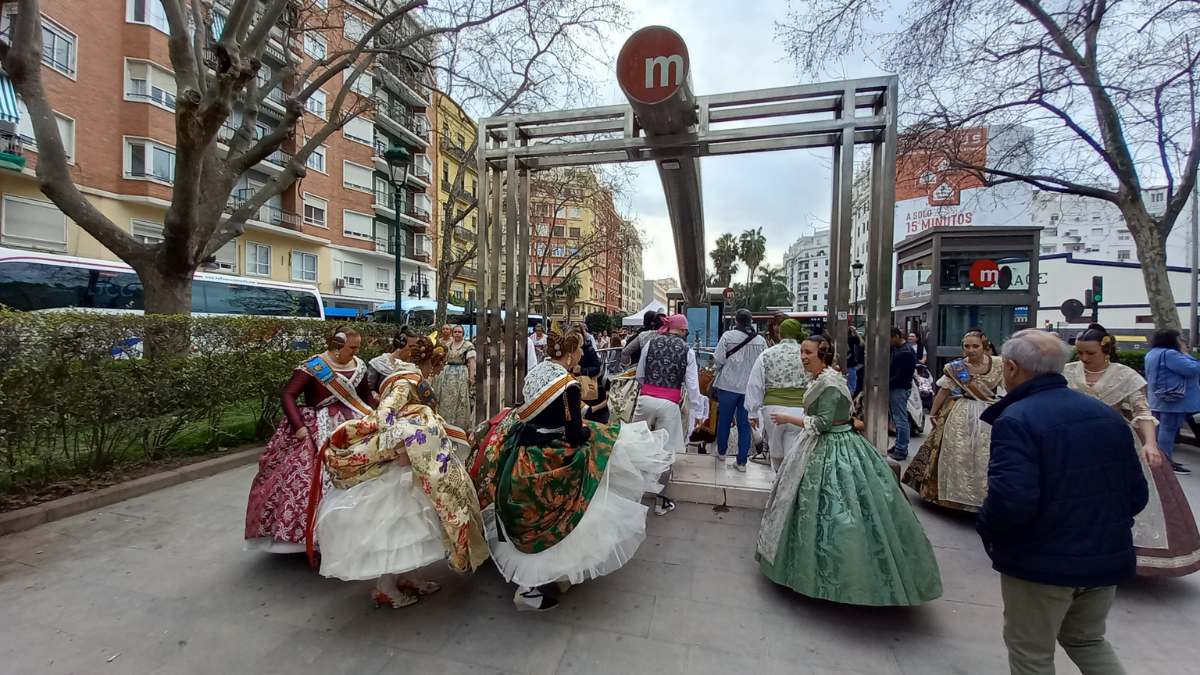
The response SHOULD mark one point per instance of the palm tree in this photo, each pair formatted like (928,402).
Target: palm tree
(571,290)
(771,289)
(725,257)
(752,248)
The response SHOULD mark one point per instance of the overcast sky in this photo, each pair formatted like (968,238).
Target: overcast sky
(733,48)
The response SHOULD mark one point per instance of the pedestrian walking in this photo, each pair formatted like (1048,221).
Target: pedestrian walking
(777,384)
(1057,521)
(667,367)
(950,469)
(632,352)
(853,359)
(918,347)
(1164,533)
(733,358)
(535,347)
(1173,388)
(903,366)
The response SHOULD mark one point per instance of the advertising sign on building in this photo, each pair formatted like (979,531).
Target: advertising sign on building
(932,190)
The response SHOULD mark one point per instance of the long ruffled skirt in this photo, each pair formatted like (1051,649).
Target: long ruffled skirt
(384,525)
(851,536)
(950,469)
(276,514)
(612,527)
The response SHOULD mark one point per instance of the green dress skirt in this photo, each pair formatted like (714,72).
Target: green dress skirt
(848,535)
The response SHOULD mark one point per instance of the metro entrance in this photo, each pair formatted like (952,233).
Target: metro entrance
(666,123)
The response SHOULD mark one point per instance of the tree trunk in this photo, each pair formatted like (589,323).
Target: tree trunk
(167,293)
(1152,252)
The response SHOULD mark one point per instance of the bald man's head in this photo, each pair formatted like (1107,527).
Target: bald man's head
(1030,353)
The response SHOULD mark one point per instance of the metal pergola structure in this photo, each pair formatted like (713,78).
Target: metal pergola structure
(838,115)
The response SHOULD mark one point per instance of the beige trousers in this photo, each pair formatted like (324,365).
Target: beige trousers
(1037,615)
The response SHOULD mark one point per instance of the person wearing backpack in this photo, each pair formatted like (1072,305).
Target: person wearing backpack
(1173,387)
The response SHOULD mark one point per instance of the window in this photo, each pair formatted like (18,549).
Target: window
(543,230)
(1054,217)
(149,12)
(304,266)
(323,4)
(33,223)
(574,213)
(573,250)
(316,160)
(559,251)
(315,45)
(363,85)
(1123,235)
(148,83)
(226,257)
(58,43)
(1097,231)
(1050,232)
(146,231)
(316,103)
(1123,255)
(66,131)
(357,176)
(258,259)
(560,231)
(1049,249)
(147,159)
(541,248)
(383,279)
(358,225)
(352,274)
(574,232)
(1156,197)
(354,28)
(314,210)
(360,130)
(446,171)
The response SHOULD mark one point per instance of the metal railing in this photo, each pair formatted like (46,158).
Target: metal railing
(385,198)
(400,115)
(138,93)
(267,213)
(10,144)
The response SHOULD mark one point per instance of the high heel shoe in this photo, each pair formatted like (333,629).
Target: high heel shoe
(533,601)
(401,600)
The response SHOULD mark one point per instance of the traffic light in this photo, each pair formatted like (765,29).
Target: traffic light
(1097,290)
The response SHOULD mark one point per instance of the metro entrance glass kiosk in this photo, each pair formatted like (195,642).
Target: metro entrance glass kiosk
(952,279)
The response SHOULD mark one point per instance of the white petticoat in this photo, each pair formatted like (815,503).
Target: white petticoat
(610,530)
(385,525)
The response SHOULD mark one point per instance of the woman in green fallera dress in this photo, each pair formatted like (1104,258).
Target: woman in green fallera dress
(837,525)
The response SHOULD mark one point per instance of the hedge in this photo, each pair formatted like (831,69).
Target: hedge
(77,397)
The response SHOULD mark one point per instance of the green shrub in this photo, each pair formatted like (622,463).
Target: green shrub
(68,406)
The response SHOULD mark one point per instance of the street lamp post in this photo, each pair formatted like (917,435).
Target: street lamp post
(398,159)
(857,269)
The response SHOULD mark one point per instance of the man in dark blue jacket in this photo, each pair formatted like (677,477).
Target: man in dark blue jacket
(1064,483)
(900,381)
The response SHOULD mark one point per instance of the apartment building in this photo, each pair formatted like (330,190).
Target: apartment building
(631,274)
(1092,229)
(454,136)
(806,268)
(108,76)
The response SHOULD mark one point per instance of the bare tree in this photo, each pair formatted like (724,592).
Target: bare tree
(212,74)
(542,57)
(558,257)
(1105,87)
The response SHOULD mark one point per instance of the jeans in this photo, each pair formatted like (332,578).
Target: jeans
(729,404)
(1038,615)
(852,380)
(1169,424)
(898,407)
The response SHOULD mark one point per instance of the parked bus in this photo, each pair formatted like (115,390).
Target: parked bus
(814,322)
(32,282)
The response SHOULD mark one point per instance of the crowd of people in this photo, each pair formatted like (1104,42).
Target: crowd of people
(1069,467)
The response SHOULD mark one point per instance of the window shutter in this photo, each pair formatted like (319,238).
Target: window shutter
(34,224)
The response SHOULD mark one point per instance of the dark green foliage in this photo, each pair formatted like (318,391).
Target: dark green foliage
(598,321)
(69,407)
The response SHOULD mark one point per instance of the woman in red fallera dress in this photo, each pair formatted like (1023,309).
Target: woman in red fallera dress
(335,388)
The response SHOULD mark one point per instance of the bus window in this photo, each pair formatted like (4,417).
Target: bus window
(230,298)
(30,287)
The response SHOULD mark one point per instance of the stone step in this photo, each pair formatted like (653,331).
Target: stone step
(704,479)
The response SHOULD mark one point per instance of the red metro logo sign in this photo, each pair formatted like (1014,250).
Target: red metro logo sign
(985,273)
(653,64)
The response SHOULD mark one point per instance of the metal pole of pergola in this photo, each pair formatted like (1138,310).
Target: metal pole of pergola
(837,115)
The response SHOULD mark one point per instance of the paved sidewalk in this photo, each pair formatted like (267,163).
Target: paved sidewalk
(160,584)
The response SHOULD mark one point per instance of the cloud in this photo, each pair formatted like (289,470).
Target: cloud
(733,48)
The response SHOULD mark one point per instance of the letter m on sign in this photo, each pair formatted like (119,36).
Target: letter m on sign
(664,63)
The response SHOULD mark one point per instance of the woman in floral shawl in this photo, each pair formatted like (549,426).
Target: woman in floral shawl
(400,497)
(951,467)
(1164,533)
(561,495)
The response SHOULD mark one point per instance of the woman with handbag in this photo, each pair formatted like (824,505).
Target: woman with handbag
(587,373)
(837,526)
(1172,387)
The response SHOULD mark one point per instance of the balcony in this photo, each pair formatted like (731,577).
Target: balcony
(418,172)
(455,150)
(399,120)
(464,234)
(277,159)
(398,75)
(12,153)
(267,213)
(461,194)
(385,200)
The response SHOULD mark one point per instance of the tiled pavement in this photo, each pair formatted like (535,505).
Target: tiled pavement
(160,584)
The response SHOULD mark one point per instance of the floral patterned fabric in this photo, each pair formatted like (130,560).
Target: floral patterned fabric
(950,469)
(454,387)
(404,425)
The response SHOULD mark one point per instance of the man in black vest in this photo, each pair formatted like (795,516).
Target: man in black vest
(666,366)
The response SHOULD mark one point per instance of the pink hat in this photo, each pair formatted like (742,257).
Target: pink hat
(674,322)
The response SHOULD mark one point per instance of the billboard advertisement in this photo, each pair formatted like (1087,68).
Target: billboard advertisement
(931,192)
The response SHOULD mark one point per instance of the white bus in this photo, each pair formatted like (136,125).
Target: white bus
(31,282)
